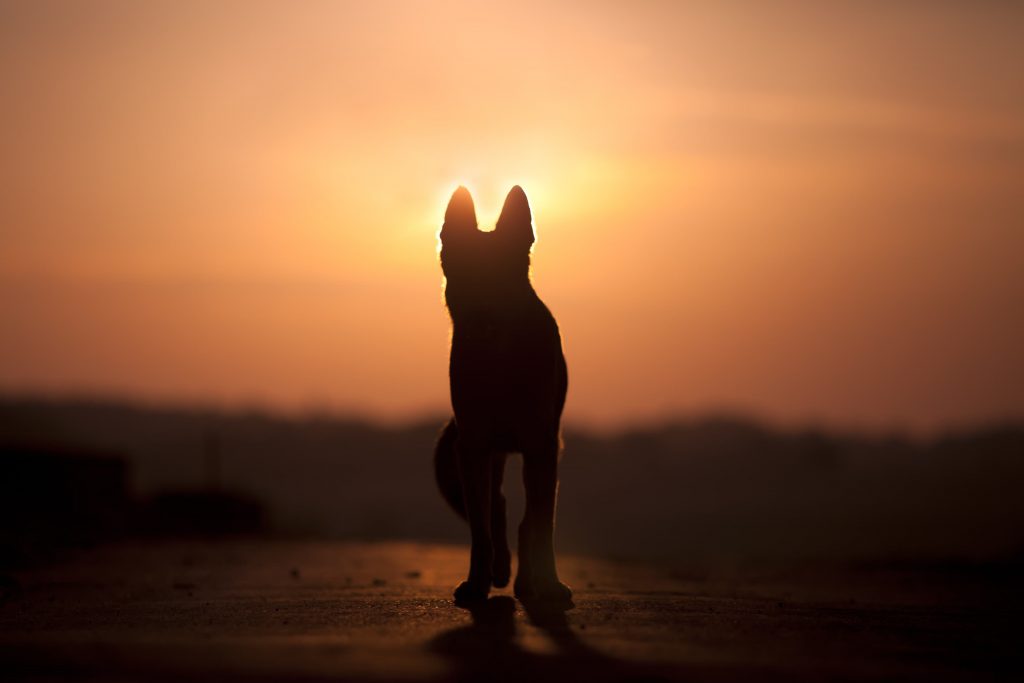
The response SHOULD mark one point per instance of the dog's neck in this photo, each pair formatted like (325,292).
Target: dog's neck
(510,302)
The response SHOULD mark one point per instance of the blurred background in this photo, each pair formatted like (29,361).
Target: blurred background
(784,243)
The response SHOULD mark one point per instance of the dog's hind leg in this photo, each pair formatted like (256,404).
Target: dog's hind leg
(537,578)
(502,566)
(475,473)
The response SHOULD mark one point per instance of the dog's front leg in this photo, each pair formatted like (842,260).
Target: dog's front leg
(537,578)
(502,566)
(475,473)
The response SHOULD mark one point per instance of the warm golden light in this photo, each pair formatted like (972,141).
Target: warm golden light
(734,209)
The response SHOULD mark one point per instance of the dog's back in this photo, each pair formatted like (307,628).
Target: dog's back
(508,384)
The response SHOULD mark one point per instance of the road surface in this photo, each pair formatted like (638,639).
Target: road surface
(291,611)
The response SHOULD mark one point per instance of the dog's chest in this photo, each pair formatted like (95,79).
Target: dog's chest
(486,338)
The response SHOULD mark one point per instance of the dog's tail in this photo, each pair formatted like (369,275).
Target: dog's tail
(446,469)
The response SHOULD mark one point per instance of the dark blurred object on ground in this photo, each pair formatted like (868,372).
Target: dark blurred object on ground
(201,513)
(58,498)
(55,498)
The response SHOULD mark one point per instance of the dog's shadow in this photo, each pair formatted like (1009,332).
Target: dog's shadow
(486,649)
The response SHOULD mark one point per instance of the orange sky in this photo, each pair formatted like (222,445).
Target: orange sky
(811,211)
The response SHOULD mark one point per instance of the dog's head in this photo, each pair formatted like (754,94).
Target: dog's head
(482,267)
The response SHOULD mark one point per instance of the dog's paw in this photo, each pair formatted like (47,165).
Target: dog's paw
(552,593)
(469,592)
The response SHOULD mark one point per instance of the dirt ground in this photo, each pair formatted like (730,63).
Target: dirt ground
(289,611)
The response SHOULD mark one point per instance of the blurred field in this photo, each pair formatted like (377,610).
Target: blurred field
(693,494)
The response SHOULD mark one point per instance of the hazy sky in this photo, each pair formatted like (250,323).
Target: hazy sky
(811,211)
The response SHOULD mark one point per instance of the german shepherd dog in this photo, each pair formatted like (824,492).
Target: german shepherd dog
(508,382)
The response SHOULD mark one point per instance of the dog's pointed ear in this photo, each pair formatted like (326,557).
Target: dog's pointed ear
(516,222)
(460,216)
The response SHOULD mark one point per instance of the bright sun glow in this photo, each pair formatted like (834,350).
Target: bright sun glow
(260,222)
(489,194)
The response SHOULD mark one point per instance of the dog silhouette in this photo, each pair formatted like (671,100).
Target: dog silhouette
(508,383)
